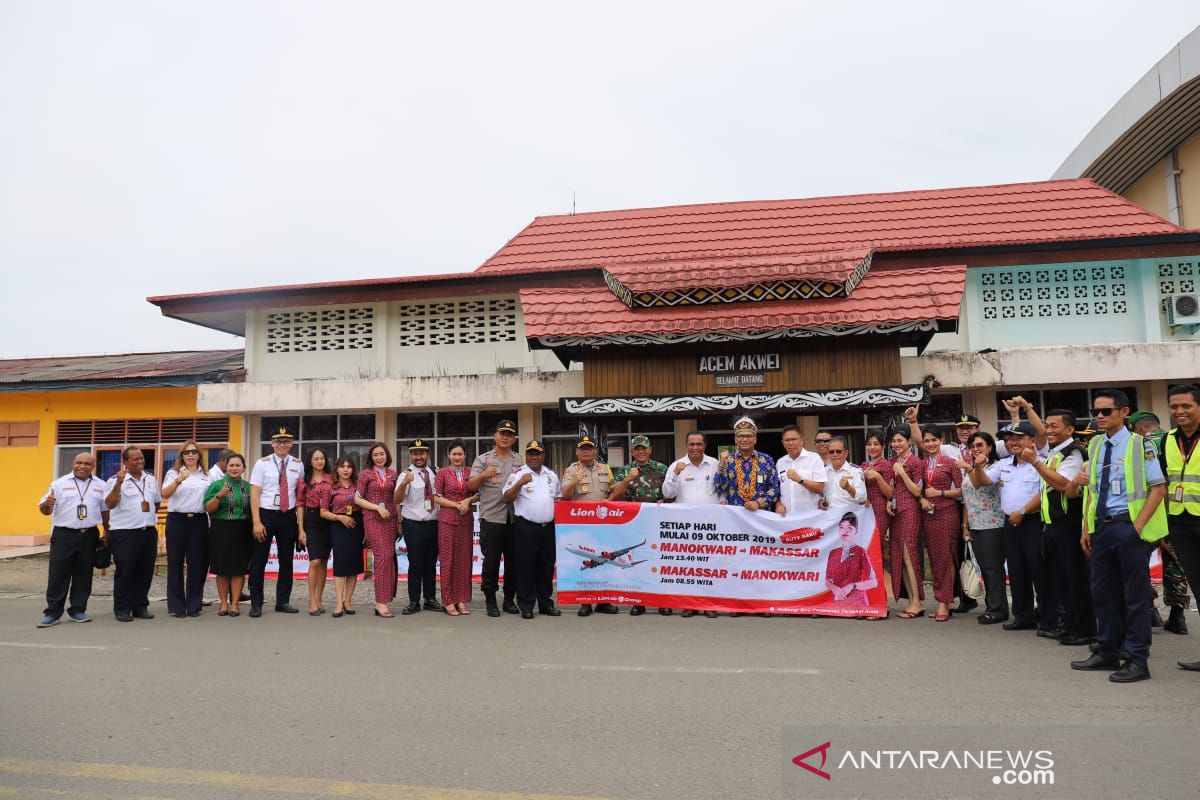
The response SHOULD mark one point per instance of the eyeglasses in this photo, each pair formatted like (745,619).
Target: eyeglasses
(191,452)
(836,452)
(1103,412)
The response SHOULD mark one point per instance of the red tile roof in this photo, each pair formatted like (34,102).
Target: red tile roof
(883,297)
(1021,213)
(174,369)
(640,275)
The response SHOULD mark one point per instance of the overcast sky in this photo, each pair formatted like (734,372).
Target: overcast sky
(165,147)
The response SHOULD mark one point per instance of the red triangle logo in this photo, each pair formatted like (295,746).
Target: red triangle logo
(823,749)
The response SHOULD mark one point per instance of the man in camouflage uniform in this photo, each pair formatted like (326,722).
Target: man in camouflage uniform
(641,482)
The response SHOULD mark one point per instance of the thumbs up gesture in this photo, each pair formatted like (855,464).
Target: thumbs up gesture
(51,500)
(408,478)
(183,475)
(121,473)
(633,472)
(526,478)
(224,491)
(679,468)
(845,483)
(910,414)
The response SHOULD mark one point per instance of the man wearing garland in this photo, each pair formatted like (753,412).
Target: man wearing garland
(747,478)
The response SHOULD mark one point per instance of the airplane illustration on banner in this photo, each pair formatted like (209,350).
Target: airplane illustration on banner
(598,558)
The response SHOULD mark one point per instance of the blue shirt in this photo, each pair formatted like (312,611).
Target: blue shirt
(1118,502)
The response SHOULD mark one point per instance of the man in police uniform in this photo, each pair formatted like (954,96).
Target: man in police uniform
(641,482)
(1183,487)
(587,480)
(76,503)
(488,476)
(1123,517)
(1062,515)
(532,490)
(273,511)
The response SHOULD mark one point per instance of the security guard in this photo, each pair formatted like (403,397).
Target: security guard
(532,490)
(641,482)
(588,480)
(1183,487)
(1123,516)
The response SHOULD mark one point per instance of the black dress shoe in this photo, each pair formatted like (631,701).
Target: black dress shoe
(607,608)
(286,608)
(411,608)
(1156,620)
(196,613)
(433,605)
(1190,666)
(493,610)
(178,615)
(1044,633)
(550,611)
(1130,673)
(142,613)
(509,607)
(585,611)
(1175,622)
(1075,641)
(526,615)
(1096,662)
(637,611)
(1018,626)
(688,612)
(990,619)
(255,611)
(125,616)
(664,612)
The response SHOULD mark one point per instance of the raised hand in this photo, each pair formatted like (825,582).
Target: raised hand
(633,473)
(51,500)
(183,475)
(121,473)
(679,468)
(910,413)
(225,490)
(846,484)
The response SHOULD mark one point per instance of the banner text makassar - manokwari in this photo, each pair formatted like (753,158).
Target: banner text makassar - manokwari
(720,558)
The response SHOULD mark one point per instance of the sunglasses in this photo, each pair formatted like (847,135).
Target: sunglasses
(191,452)
(823,441)
(1103,412)
(836,452)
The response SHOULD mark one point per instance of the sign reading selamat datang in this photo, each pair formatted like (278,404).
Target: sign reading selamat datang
(720,558)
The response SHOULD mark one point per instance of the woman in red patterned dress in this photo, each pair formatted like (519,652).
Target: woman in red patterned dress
(877,472)
(848,572)
(376,487)
(456,529)
(908,568)
(941,521)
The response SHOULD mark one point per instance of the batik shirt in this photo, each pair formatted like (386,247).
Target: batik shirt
(757,471)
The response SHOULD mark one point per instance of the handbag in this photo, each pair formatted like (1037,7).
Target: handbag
(971,577)
(102,558)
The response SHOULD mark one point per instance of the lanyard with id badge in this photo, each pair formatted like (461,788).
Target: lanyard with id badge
(142,491)
(1187,457)
(424,475)
(81,510)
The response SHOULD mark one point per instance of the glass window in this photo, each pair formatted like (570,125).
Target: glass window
(439,429)
(272,424)
(359,427)
(322,427)
(1073,400)
(321,430)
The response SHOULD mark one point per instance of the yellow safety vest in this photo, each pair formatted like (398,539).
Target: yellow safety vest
(1052,463)
(1136,490)
(1183,480)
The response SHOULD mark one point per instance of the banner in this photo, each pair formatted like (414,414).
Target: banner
(720,558)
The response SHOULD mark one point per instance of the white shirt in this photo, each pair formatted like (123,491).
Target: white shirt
(188,497)
(215,473)
(694,484)
(535,501)
(265,475)
(128,514)
(1019,483)
(1071,466)
(836,496)
(414,506)
(795,497)
(67,493)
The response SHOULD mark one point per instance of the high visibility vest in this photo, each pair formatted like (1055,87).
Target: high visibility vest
(1049,492)
(1136,490)
(1183,480)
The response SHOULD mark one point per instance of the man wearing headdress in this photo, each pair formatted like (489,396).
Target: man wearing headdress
(747,478)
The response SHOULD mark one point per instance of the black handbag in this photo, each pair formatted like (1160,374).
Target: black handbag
(103,556)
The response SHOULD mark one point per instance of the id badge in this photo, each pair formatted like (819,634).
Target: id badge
(349,510)
(584,488)
(761,478)
(81,509)
(1178,494)
(145,506)
(1114,486)
(428,506)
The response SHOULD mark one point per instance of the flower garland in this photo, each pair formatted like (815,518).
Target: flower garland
(746,492)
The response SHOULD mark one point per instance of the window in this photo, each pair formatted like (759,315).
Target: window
(1178,277)
(1054,292)
(335,434)
(158,439)
(321,330)
(611,434)
(19,434)
(438,429)
(457,322)
(1076,400)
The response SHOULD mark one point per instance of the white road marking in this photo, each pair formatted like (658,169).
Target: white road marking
(45,646)
(674,670)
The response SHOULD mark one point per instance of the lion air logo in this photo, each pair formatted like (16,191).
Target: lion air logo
(602,512)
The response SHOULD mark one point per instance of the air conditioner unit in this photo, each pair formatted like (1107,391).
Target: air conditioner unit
(1183,309)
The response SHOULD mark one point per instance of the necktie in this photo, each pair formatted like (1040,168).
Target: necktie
(1102,497)
(284,506)
(428,485)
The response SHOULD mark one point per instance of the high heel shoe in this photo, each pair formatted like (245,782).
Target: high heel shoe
(388,615)
(338,613)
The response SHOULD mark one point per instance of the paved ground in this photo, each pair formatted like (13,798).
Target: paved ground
(428,706)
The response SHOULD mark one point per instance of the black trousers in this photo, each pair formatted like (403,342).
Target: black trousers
(1185,541)
(496,542)
(284,529)
(133,553)
(421,539)
(1120,575)
(1075,579)
(1023,553)
(534,563)
(988,544)
(187,541)
(71,555)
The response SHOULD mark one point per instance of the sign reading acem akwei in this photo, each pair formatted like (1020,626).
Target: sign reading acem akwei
(739,362)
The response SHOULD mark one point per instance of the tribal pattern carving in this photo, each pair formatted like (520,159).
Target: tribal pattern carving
(698,337)
(707,403)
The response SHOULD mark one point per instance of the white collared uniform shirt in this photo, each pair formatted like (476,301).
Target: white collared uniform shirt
(215,473)
(188,497)
(535,501)
(128,514)
(1019,483)
(265,475)
(693,485)
(413,506)
(68,491)
(795,497)
(836,496)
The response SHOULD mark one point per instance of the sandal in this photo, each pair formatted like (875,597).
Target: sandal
(941,617)
(233,612)
(463,610)
(451,611)
(224,612)
(911,614)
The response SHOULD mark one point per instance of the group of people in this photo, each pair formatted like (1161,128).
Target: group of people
(1067,524)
